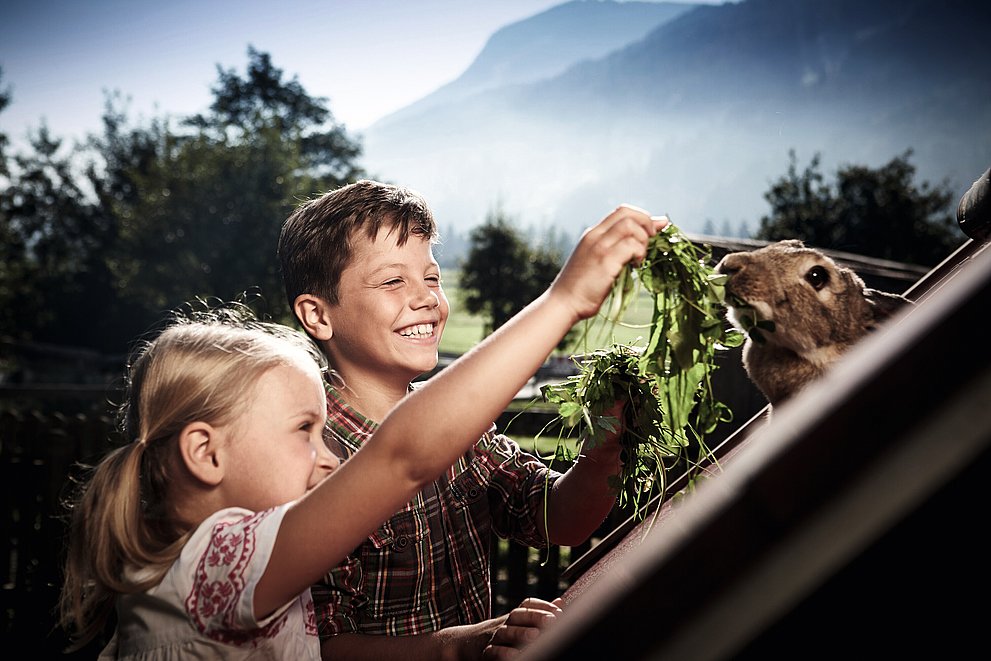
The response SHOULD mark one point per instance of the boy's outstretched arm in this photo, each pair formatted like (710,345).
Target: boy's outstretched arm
(426,432)
(582,498)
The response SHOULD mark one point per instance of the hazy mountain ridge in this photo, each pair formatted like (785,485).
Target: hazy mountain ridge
(546,45)
(696,118)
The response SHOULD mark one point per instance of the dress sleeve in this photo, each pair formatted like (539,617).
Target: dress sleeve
(225,558)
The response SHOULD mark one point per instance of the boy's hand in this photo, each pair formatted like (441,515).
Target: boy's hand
(604,249)
(608,451)
(521,627)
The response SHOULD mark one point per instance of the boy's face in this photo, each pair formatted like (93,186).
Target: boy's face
(391,311)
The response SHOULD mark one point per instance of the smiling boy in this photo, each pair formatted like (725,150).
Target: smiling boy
(360,274)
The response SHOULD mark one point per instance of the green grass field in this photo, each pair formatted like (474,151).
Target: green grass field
(465,330)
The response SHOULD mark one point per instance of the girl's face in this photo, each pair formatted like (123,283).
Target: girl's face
(276,451)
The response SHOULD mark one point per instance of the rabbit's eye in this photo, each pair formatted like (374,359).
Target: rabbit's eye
(817,276)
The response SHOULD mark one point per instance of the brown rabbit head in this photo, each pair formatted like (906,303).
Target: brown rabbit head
(801,311)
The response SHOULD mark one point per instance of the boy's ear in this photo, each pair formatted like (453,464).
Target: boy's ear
(312,312)
(199,447)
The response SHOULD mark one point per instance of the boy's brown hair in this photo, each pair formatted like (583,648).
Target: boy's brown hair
(316,242)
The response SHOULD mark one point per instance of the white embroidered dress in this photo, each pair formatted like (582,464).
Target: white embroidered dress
(202,609)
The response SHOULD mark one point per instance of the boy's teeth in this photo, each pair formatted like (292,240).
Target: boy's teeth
(419,329)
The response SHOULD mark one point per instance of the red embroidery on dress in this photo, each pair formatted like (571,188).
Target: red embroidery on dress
(310,616)
(212,602)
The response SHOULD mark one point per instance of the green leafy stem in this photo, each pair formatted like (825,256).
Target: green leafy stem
(664,385)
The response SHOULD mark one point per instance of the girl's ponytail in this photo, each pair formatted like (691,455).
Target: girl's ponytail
(107,510)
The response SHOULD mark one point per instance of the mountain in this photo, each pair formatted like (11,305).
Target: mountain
(695,117)
(546,45)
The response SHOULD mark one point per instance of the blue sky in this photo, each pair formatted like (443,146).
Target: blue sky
(368,57)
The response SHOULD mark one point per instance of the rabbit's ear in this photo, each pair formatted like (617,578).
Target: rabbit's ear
(883,304)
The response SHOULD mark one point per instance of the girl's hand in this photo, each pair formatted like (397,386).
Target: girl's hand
(604,249)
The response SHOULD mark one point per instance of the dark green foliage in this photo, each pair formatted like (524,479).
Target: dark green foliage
(873,212)
(100,243)
(263,105)
(501,273)
(55,240)
(5,97)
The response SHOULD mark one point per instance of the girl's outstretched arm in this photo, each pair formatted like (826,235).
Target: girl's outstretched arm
(426,432)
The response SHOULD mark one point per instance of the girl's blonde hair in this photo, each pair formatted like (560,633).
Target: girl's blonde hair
(123,532)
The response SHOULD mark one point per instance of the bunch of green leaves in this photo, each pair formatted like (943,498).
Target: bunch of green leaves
(665,384)
(686,331)
(589,400)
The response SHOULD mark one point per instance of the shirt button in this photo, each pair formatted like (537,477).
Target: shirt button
(473,493)
(402,543)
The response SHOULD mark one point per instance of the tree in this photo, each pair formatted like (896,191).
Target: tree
(5,97)
(55,239)
(874,212)
(207,208)
(501,273)
(262,104)
(58,241)
(161,216)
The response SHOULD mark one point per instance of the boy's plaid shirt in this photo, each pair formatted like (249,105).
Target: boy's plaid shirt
(427,568)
